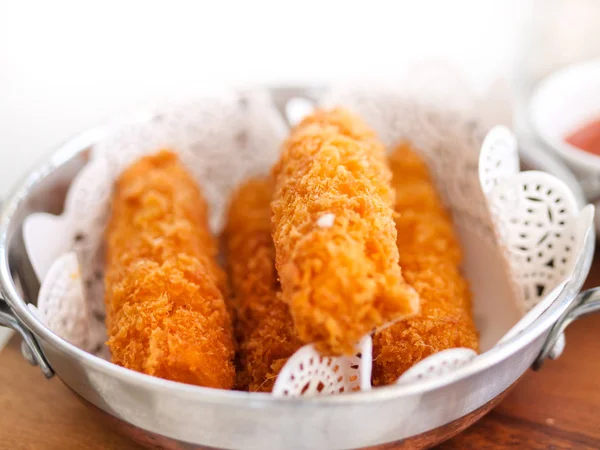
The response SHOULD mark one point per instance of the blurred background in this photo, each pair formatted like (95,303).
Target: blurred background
(69,65)
(66,65)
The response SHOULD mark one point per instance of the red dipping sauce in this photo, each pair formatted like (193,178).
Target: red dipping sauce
(587,138)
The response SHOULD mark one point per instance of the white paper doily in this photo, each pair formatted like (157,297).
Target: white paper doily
(540,226)
(309,373)
(63,305)
(438,364)
(225,138)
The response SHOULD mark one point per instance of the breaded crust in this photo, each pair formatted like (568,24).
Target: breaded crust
(334,233)
(264,327)
(430,256)
(166,314)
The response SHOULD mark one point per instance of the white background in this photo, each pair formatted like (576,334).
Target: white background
(68,65)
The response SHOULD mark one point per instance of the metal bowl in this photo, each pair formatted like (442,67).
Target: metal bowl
(175,415)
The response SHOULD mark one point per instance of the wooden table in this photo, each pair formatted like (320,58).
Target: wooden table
(556,408)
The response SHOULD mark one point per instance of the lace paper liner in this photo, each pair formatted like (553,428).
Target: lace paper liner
(540,226)
(309,373)
(228,137)
(438,364)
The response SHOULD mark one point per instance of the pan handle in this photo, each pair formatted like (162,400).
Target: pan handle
(29,347)
(586,302)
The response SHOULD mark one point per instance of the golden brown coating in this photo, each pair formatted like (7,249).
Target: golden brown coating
(334,233)
(166,315)
(264,327)
(430,256)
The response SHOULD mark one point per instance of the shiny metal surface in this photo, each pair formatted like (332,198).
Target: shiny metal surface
(586,303)
(423,440)
(34,354)
(193,416)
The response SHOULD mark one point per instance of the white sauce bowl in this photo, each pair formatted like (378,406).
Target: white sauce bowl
(562,103)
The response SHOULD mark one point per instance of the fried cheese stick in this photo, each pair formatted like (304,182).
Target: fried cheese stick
(166,314)
(334,233)
(264,327)
(430,256)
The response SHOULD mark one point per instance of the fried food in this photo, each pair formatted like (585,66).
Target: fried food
(166,314)
(264,327)
(430,256)
(334,233)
